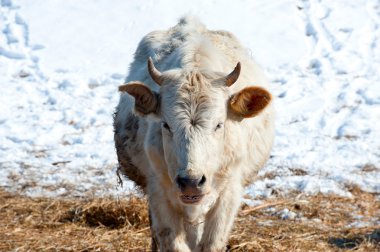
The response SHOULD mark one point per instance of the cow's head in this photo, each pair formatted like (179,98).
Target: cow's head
(195,109)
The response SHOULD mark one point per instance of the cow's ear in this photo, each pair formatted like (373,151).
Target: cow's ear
(250,101)
(146,101)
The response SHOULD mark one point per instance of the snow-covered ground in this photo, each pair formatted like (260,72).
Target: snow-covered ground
(61,62)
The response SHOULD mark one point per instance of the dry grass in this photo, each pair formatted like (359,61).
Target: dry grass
(320,223)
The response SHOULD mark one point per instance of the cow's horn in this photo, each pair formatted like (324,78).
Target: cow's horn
(154,73)
(233,76)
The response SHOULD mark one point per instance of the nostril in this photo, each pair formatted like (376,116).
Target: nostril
(180,182)
(202,181)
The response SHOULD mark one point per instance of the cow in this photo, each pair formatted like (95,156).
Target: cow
(194,124)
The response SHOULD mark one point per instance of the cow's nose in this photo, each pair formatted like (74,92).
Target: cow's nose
(187,182)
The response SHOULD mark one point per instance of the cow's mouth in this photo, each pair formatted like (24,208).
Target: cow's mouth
(191,199)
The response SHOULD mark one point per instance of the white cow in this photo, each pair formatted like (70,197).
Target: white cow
(191,133)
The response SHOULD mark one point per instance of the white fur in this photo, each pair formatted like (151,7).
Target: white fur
(193,61)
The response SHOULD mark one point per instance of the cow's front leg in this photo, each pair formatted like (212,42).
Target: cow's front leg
(220,220)
(167,225)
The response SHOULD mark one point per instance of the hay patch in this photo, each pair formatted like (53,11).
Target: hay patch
(297,223)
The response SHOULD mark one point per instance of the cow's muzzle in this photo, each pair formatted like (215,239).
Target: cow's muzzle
(191,189)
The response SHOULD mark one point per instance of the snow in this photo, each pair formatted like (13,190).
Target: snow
(61,63)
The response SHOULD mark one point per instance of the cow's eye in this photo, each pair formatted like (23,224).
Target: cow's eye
(219,126)
(166,126)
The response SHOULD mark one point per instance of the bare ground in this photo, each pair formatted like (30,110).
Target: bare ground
(298,223)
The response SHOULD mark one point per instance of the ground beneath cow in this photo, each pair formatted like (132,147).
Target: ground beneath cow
(296,223)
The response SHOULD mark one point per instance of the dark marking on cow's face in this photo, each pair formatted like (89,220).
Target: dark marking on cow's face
(192,121)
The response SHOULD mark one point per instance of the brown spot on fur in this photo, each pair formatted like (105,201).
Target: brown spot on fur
(192,121)
(198,77)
